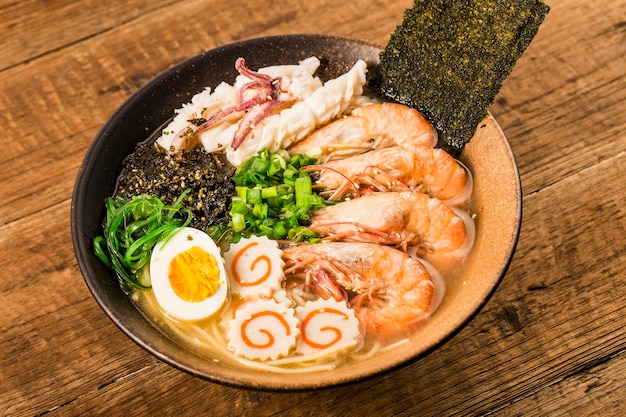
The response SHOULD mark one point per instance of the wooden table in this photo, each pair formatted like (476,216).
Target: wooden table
(552,340)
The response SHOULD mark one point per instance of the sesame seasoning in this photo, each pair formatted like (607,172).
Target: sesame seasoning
(149,171)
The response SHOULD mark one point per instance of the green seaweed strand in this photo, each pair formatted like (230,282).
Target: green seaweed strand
(131,229)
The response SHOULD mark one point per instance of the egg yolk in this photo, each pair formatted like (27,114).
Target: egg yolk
(194,274)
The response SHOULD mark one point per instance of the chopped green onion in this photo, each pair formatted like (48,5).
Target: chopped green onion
(273,198)
(239,206)
(269,192)
(260,210)
(303,190)
(238,221)
(241,192)
(260,165)
(274,202)
(253,196)
(290,175)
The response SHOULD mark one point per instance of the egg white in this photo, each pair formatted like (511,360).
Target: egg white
(165,295)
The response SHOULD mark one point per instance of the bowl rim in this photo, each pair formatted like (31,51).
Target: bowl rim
(82,242)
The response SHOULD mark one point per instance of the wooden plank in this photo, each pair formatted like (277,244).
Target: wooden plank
(550,342)
(90,97)
(526,338)
(595,391)
(563,108)
(507,349)
(56,342)
(98,74)
(32,28)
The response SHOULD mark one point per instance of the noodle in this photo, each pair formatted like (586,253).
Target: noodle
(314,356)
(394,345)
(368,354)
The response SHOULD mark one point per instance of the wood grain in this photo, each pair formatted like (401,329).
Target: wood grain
(573,91)
(39,28)
(550,342)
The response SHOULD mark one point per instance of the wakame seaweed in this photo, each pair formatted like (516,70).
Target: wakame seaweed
(449,58)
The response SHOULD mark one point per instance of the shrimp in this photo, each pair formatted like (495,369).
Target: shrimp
(389,290)
(406,219)
(368,127)
(427,169)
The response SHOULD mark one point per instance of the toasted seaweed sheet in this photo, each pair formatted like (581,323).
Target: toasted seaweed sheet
(449,58)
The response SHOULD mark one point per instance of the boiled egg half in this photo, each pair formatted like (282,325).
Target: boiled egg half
(188,275)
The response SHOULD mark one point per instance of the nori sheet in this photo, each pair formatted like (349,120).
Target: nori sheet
(449,58)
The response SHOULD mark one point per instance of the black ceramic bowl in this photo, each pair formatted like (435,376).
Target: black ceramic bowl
(496,203)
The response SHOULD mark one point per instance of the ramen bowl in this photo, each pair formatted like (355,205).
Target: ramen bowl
(496,203)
